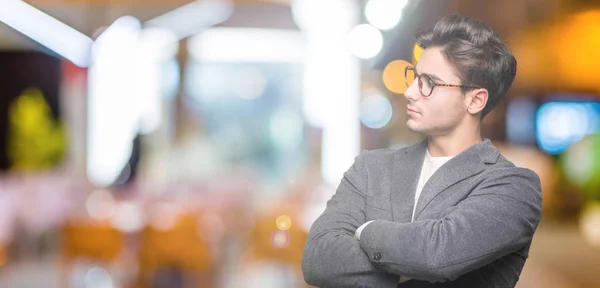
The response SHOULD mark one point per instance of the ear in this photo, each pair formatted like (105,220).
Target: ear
(476,101)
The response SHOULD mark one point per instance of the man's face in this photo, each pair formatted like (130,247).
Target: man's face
(445,109)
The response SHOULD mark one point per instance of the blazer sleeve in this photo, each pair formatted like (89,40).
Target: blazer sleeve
(332,257)
(498,218)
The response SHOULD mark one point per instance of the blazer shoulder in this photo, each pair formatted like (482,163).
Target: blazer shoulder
(381,153)
(379,156)
(526,182)
(387,153)
(504,168)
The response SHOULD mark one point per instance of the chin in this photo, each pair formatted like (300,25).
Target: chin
(414,127)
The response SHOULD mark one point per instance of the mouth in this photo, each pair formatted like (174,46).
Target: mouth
(411,111)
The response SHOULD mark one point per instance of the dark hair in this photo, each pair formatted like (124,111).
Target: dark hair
(477,53)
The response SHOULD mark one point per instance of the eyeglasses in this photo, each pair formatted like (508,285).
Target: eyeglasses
(425,82)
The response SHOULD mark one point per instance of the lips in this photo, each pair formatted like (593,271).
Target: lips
(411,111)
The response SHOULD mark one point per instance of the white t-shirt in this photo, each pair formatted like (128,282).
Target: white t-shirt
(430,165)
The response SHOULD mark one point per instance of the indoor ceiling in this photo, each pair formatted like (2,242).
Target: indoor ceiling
(508,17)
(87,16)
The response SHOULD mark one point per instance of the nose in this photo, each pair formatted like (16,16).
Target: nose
(412,93)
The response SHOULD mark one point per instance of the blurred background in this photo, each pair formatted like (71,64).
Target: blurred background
(192,143)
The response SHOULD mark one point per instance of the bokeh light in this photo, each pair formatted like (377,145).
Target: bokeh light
(283,222)
(100,205)
(393,76)
(323,16)
(98,277)
(365,41)
(163,216)
(280,239)
(417,52)
(384,14)
(589,223)
(581,163)
(560,124)
(375,111)
(128,217)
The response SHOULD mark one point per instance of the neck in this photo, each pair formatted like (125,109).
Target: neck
(454,142)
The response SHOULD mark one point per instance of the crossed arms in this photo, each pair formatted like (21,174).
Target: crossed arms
(498,218)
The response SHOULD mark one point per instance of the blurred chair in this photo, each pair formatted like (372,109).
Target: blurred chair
(95,241)
(176,250)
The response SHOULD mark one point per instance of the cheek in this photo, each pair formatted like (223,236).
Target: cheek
(445,110)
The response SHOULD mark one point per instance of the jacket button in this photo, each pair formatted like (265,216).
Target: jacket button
(377,256)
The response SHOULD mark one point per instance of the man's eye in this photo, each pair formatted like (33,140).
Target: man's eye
(427,81)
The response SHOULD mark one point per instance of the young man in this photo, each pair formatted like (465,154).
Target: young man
(450,211)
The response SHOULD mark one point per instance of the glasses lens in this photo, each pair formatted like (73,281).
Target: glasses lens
(425,85)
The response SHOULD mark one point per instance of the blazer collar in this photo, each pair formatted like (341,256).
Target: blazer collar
(484,151)
(407,170)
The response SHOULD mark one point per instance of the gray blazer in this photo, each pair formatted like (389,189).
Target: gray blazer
(473,225)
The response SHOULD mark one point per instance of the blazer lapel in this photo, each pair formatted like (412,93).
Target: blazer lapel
(464,165)
(407,169)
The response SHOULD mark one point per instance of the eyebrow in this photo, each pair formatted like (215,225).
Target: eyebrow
(433,76)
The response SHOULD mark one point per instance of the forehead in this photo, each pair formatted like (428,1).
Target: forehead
(433,62)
